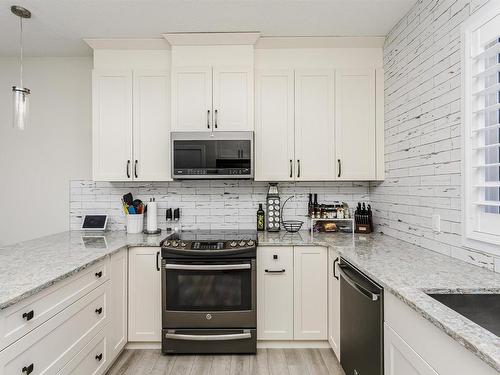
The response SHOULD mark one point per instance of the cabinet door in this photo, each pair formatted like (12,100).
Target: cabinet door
(333,302)
(275,293)
(144,305)
(400,358)
(117,328)
(191,99)
(233,99)
(274,128)
(355,124)
(151,126)
(112,125)
(310,293)
(314,125)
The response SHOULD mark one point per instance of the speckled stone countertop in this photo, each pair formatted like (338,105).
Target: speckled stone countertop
(405,270)
(409,272)
(28,267)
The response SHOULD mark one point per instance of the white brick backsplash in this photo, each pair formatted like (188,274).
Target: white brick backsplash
(423,130)
(217,204)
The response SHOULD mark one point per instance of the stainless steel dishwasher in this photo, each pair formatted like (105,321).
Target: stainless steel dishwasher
(361,322)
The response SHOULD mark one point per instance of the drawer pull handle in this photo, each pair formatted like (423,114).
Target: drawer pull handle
(98,311)
(98,357)
(28,315)
(98,274)
(28,369)
(275,271)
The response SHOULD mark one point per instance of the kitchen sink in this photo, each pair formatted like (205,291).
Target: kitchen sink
(482,309)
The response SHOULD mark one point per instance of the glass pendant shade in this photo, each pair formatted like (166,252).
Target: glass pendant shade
(21,107)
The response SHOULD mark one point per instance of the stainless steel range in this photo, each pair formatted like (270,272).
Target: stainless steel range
(209,292)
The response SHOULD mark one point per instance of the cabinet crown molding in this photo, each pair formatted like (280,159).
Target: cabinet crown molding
(207,39)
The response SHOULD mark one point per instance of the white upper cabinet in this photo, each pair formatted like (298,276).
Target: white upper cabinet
(112,125)
(314,125)
(151,126)
(191,99)
(355,127)
(233,99)
(212,99)
(274,127)
(131,125)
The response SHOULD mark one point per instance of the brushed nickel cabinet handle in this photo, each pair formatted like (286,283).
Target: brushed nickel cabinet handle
(298,168)
(128,168)
(215,120)
(208,119)
(291,168)
(340,167)
(135,169)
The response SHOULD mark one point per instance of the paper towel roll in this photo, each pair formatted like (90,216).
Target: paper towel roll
(152,216)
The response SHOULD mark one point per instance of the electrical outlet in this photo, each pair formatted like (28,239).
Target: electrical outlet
(436,223)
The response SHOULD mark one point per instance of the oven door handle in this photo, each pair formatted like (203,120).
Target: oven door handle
(208,267)
(234,336)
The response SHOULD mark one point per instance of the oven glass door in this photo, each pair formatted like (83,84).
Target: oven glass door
(199,286)
(212,156)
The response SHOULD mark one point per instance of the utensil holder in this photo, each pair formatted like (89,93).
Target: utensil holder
(135,223)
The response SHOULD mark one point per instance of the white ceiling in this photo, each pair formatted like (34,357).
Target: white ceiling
(59,26)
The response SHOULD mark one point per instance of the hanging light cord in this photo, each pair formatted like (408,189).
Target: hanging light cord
(21,43)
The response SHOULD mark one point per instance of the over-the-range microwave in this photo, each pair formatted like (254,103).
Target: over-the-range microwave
(212,155)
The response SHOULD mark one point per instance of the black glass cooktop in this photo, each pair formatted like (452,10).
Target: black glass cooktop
(215,235)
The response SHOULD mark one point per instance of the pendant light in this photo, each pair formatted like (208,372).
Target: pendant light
(20,93)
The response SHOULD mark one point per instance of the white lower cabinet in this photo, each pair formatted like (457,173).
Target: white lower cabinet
(400,358)
(144,299)
(310,293)
(292,294)
(275,293)
(92,360)
(333,301)
(414,346)
(48,348)
(118,306)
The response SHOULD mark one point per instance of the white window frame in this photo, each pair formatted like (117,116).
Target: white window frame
(472,234)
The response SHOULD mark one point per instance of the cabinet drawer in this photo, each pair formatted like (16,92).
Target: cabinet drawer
(21,318)
(277,259)
(92,360)
(49,347)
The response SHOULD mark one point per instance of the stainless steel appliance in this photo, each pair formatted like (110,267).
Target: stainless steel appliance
(209,287)
(211,155)
(361,322)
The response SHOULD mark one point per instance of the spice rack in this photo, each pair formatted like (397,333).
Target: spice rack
(314,220)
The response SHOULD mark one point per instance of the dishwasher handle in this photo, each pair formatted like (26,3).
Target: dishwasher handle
(358,287)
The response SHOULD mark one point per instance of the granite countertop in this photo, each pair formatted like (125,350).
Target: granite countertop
(408,272)
(28,267)
(405,270)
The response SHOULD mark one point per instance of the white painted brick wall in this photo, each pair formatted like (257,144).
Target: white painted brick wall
(422,130)
(206,204)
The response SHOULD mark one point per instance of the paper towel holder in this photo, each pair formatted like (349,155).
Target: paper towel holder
(151,232)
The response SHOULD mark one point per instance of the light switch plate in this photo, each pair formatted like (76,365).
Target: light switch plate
(436,223)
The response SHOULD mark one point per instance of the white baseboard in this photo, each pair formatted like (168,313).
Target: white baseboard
(143,345)
(285,344)
(261,344)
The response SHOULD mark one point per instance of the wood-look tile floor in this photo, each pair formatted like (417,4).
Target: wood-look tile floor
(266,362)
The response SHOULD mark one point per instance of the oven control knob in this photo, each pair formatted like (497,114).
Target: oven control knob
(242,243)
(251,243)
(183,244)
(175,243)
(168,243)
(233,244)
